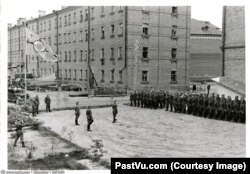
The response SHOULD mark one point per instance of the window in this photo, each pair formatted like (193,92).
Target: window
(103,33)
(44,26)
(103,76)
(120,75)
(174,9)
(49,25)
(81,36)
(74,37)
(65,56)
(75,55)
(92,11)
(75,73)
(145,52)
(173,76)
(59,39)
(65,20)
(86,35)
(66,74)
(121,29)
(174,30)
(112,29)
(86,14)
(173,53)
(86,74)
(120,52)
(60,22)
(86,54)
(74,18)
(92,54)
(81,16)
(93,33)
(81,55)
(112,75)
(145,30)
(112,53)
(69,22)
(102,53)
(55,23)
(69,39)
(41,27)
(144,76)
(81,74)
(65,37)
(69,56)
(49,40)
(70,73)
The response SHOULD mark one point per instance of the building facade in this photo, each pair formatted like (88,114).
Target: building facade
(132,47)
(233,43)
(205,52)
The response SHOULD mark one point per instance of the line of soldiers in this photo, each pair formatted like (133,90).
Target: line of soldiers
(202,105)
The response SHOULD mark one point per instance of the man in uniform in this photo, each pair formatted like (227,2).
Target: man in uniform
(135,98)
(131,98)
(37,104)
(229,109)
(19,132)
(89,118)
(47,102)
(216,107)
(205,106)
(115,111)
(167,100)
(77,113)
(242,110)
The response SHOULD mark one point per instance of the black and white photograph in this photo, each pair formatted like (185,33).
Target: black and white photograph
(87,83)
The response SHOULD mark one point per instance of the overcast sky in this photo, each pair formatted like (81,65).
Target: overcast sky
(29,8)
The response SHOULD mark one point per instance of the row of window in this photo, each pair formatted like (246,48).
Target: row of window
(68,57)
(68,74)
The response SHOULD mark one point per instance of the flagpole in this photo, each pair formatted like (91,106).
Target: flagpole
(25,65)
(88,61)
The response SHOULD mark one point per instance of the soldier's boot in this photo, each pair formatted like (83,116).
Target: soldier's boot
(23,145)
(88,127)
(76,122)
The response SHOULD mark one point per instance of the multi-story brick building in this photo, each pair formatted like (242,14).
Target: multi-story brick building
(205,52)
(233,42)
(159,59)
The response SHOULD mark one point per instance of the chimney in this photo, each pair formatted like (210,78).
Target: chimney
(41,13)
(63,7)
(21,21)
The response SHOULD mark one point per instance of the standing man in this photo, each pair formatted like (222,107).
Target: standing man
(19,132)
(115,111)
(47,102)
(89,118)
(208,89)
(37,104)
(77,113)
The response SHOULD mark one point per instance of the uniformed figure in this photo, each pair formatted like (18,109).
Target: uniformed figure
(47,102)
(77,113)
(242,110)
(229,109)
(19,132)
(34,108)
(131,99)
(115,111)
(135,98)
(167,100)
(216,107)
(37,104)
(205,106)
(89,118)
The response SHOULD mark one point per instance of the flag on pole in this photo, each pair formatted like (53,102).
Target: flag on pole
(40,46)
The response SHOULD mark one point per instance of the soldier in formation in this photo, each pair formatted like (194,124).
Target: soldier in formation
(202,105)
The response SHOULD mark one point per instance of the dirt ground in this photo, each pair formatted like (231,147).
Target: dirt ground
(143,132)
